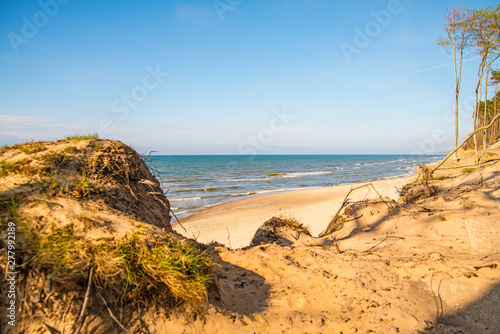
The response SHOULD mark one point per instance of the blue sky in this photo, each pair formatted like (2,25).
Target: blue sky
(232,76)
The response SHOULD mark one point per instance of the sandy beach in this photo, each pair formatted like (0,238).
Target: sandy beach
(427,262)
(235,223)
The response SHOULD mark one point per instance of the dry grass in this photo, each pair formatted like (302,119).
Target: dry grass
(27,148)
(139,268)
(80,137)
(293,224)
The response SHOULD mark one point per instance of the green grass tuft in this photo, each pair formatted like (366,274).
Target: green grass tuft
(83,188)
(79,137)
(31,147)
(5,167)
(12,208)
(134,268)
(70,149)
(468,170)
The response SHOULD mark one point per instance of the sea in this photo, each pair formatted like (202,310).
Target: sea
(191,182)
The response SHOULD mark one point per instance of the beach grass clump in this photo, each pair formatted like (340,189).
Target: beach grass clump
(468,170)
(137,268)
(6,167)
(11,204)
(4,149)
(20,166)
(80,137)
(84,187)
(30,147)
(293,224)
(60,252)
(69,149)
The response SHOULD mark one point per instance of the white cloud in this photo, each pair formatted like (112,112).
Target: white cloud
(19,128)
(209,139)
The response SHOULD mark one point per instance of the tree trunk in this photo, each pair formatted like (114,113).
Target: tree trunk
(494,130)
(485,116)
(457,88)
(476,105)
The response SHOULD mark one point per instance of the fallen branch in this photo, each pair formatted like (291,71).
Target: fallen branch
(466,139)
(387,236)
(337,247)
(47,329)
(178,221)
(492,266)
(85,301)
(111,313)
(331,226)
(228,237)
(439,304)
(65,312)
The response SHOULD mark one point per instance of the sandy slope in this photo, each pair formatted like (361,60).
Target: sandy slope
(426,266)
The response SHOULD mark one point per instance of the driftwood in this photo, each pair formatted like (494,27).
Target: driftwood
(466,139)
(332,225)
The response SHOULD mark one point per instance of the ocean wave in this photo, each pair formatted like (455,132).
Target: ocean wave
(305,174)
(375,164)
(184,199)
(245,180)
(398,160)
(260,192)
(196,190)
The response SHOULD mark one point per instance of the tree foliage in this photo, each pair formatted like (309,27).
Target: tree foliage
(476,32)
